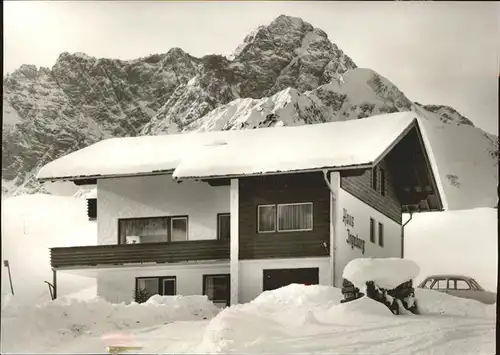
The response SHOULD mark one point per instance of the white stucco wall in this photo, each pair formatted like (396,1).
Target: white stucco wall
(362,213)
(251,273)
(117,285)
(156,196)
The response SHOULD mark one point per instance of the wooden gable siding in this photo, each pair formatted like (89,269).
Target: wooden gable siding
(360,185)
(278,189)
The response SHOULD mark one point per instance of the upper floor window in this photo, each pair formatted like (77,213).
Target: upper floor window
(290,217)
(381,234)
(372,230)
(92,208)
(374,179)
(378,180)
(153,229)
(224,226)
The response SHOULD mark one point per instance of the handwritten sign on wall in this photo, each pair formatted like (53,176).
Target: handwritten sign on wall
(352,239)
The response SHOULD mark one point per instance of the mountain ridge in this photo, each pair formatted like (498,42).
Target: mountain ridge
(285,73)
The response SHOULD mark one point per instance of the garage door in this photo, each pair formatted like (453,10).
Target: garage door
(276,278)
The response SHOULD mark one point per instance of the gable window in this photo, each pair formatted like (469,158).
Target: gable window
(382,182)
(295,217)
(374,179)
(163,286)
(152,230)
(372,230)
(381,234)
(223,226)
(266,218)
(217,289)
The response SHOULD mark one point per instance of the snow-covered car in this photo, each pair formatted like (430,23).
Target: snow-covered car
(459,286)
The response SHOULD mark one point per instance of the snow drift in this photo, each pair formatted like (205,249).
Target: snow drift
(276,323)
(28,328)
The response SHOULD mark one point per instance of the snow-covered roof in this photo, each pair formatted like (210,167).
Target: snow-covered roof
(333,145)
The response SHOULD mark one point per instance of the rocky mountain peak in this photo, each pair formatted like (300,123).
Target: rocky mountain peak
(284,73)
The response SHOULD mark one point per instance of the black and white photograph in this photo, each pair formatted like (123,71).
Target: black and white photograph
(250,177)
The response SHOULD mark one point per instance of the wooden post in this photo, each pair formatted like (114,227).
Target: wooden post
(54,282)
(234,242)
(7,265)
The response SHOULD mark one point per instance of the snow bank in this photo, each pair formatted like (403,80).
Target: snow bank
(455,242)
(297,295)
(27,328)
(271,315)
(387,273)
(433,302)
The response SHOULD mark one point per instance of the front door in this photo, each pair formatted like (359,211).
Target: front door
(276,278)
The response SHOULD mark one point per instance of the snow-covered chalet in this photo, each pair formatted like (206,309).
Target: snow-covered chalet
(230,214)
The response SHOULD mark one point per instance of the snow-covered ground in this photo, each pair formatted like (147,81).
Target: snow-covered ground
(294,319)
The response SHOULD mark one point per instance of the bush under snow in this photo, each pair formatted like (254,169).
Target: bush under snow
(387,273)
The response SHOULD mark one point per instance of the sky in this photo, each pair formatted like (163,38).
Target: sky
(435,52)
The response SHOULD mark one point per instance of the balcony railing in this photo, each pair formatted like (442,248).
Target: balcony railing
(139,253)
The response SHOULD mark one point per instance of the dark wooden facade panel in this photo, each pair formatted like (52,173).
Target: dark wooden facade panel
(279,189)
(360,186)
(137,253)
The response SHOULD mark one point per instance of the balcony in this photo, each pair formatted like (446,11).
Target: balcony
(121,254)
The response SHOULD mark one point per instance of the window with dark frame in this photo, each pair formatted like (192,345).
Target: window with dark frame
(152,229)
(372,230)
(163,286)
(178,229)
(217,288)
(266,218)
(381,234)
(92,208)
(295,217)
(224,226)
(287,217)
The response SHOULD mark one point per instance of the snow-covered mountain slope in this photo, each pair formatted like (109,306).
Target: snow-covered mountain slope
(285,73)
(469,172)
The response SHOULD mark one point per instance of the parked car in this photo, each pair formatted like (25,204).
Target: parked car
(459,286)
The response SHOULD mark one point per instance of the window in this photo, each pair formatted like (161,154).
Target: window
(224,226)
(266,218)
(179,229)
(372,230)
(374,179)
(440,284)
(462,285)
(92,208)
(217,289)
(382,182)
(428,283)
(152,230)
(381,234)
(164,286)
(295,217)
(290,217)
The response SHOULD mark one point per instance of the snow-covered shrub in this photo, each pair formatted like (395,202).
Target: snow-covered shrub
(386,280)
